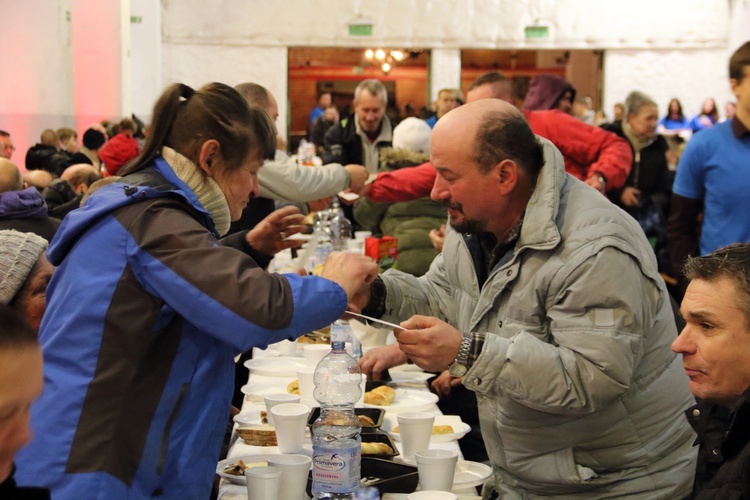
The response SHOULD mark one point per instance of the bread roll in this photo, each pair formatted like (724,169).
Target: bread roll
(376,449)
(366,421)
(380,396)
(436,429)
(293,387)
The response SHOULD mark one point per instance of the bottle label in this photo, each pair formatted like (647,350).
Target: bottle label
(336,470)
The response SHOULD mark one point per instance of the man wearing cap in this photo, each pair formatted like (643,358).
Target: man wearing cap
(93,140)
(24,274)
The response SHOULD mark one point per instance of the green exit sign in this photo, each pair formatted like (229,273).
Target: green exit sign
(536,32)
(136,19)
(360,29)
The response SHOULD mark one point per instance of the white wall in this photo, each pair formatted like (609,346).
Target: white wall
(663,47)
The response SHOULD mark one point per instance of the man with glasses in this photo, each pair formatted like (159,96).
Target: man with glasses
(6,151)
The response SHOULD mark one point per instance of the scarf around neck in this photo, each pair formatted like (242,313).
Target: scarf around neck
(638,142)
(205,188)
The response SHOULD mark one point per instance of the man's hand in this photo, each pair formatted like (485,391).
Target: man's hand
(629,196)
(437,237)
(596,183)
(354,273)
(444,384)
(269,236)
(357,177)
(374,361)
(318,205)
(431,343)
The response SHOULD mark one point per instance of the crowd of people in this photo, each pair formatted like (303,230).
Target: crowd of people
(540,272)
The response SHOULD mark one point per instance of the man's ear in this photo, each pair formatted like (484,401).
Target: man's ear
(209,153)
(505,174)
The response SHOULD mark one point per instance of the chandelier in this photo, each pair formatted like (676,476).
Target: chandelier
(387,59)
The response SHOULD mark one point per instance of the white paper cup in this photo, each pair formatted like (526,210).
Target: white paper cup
(294,477)
(362,235)
(415,429)
(306,382)
(263,483)
(436,469)
(272,400)
(362,386)
(286,347)
(432,495)
(290,420)
(314,353)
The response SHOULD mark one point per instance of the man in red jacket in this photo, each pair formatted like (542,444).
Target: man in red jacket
(599,158)
(121,148)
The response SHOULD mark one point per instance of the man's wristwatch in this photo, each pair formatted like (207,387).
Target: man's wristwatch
(459,367)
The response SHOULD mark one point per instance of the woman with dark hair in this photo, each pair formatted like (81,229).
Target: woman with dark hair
(674,122)
(708,117)
(20,385)
(147,308)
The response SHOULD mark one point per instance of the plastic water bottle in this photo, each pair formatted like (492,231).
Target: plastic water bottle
(336,441)
(356,347)
(323,236)
(340,227)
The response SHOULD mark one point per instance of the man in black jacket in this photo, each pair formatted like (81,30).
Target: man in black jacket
(715,347)
(359,139)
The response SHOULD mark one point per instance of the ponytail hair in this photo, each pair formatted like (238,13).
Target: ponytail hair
(184,119)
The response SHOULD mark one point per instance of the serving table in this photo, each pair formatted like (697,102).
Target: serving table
(268,380)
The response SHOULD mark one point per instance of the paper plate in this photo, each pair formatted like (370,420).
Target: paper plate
(470,474)
(278,366)
(409,400)
(460,429)
(255,460)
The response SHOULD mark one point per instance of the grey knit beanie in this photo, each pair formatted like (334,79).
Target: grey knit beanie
(18,254)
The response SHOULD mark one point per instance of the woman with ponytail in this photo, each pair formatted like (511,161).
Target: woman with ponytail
(148,307)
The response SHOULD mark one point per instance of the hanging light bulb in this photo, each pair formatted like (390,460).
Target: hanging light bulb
(386,67)
(397,55)
(368,53)
(380,54)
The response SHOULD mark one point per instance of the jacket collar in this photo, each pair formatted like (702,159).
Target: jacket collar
(539,228)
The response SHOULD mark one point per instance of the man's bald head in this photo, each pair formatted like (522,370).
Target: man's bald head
(259,96)
(49,138)
(80,176)
(492,85)
(495,130)
(10,176)
(39,179)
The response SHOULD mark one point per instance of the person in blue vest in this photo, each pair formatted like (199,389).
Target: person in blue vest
(148,307)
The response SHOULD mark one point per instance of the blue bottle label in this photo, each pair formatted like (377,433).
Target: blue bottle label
(336,470)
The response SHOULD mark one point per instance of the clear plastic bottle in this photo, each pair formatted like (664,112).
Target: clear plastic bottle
(340,227)
(323,236)
(336,440)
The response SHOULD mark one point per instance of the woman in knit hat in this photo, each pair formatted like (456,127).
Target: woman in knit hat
(148,307)
(24,274)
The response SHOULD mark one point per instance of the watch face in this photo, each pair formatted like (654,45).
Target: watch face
(458,370)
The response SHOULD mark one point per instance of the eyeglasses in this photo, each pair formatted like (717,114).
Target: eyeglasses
(9,149)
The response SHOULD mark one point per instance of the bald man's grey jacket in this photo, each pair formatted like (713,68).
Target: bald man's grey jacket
(579,393)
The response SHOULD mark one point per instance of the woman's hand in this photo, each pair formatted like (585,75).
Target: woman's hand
(629,196)
(270,235)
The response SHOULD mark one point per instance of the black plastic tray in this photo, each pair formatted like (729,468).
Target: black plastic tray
(376,414)
(379,437)
(391,477)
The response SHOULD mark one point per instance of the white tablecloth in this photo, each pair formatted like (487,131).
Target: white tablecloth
(407,374)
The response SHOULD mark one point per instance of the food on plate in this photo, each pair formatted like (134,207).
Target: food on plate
(318,269)
(258,435)
(376,449)
(238,469)
(366,421)
(293,387)
(380,396)
(264,417)
(436,429)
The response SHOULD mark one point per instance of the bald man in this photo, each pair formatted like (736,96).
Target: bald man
(545,302)
(21,207)
(64,195)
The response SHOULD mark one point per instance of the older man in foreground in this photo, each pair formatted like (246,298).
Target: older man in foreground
(546,299)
